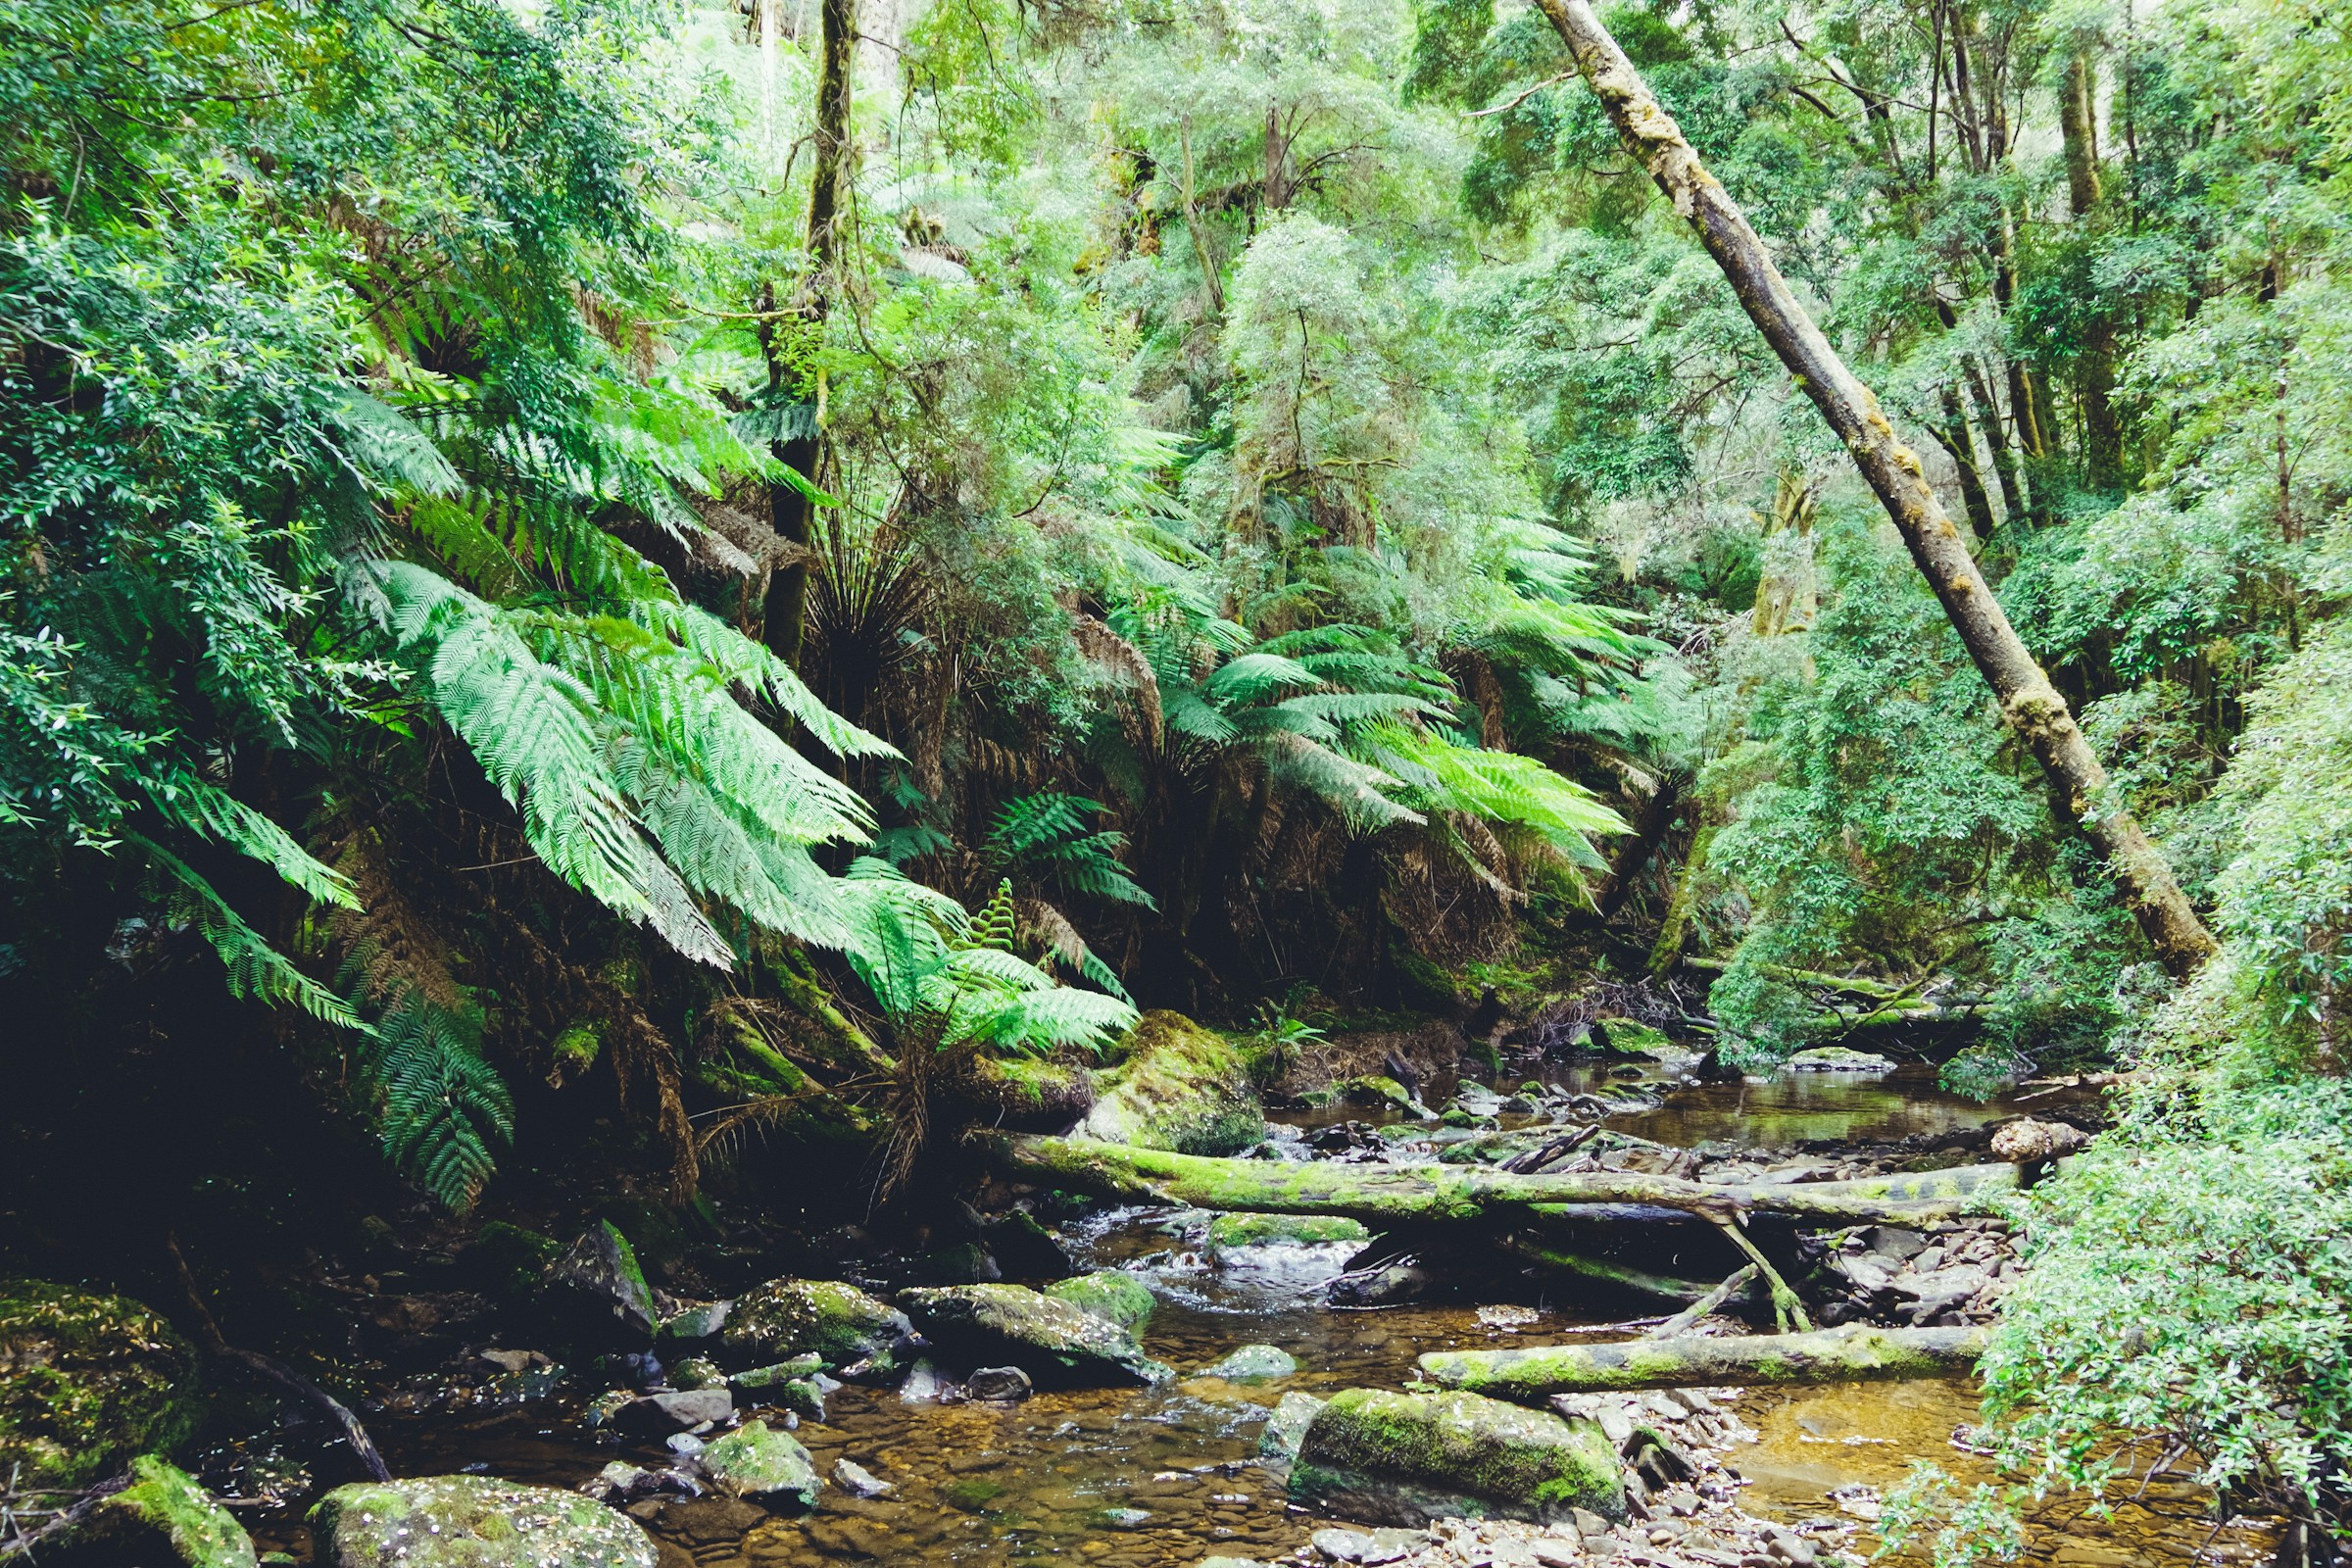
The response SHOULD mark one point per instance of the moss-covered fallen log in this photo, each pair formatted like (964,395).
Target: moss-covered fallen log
(1421,1195)
(1856,1352)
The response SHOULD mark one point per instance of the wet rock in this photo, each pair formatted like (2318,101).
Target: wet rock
(1026,1248)
(2028,1141)
(597,1288)
(164,1516)
(1028,1094)
(704,1320)
(1232,1232)
(604,1411)
(1404,1459)
(1377,1092)
(1368,1547)
(1113,1295)
(924,1385)
(697,1372)
(1181,1088)
(1229,1563)
(1287,1427)
(848,1328)
(86,1382)
(473,1522)
(860,1481)
(1061,1337)
(1402,1279)
(964,1263)
(620,1479)
(755,1461)
(1838,1059)
(802,1396)
(1253,1363)
(1125,1518)
(999,1383)
(677,1410)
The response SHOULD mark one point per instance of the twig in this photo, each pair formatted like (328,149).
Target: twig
(276,1371)
(1519,98)
(1787,1306)
(1680,1322)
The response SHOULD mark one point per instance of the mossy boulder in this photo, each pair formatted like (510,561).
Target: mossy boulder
(1286,1427)
(473,1522)
(1229,1232)
(1113,1295)
(1383,1458)
(598,1289)
(755,1461)
(848,1329)
(165,1516)
(1049,1338)
(86,1382)
(1181,1088)
(1028,1094)
(1253,1363)
(1630,1037)
(1839,1059)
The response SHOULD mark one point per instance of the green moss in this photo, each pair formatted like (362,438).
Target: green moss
(1522,1463)
(473,1522)
(1377,1092)
(86,1382)
(839,1322)
(508,1261)
(1111,1294)
(164,1502)
(1283,1230)
(1631,1037)
(972,1494)
(755,1461)
(1183,1087)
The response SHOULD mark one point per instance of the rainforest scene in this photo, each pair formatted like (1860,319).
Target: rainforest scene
(1175,783)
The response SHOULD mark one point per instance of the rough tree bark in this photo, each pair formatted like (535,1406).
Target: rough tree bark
(1853,1353)
(2030,704)
(791,512)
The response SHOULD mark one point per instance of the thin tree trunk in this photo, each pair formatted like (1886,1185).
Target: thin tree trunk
(1996,436)
(790,510)
(2102,430)
(2030,704)
(1963,448)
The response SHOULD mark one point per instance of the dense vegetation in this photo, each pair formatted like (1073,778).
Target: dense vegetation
(586,579)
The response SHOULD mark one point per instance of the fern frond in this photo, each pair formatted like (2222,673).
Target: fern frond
(256,970)
(444,1106)
(212,812)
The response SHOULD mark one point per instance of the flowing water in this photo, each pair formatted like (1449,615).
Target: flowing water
(1131,1478)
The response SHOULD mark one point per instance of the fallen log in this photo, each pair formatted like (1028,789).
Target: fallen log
(1382,1195)
(1856,1352)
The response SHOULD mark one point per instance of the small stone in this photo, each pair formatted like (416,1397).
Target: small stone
(1287,1427)
(753,1461)
(678,1412)
(1588,1524)
(685,1445)
(697,1372)
(1616,1424)
(1557,1551)
(1253,1363)
(1125,1518)
(860,1481)
(999,1383)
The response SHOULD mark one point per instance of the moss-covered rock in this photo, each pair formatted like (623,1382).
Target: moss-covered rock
(848,1328)
(1181,1088)
(1253,1363)
(1286,1427)
(1113,1295)
(1228,1232)
(1377,1092)
(86,1382)
(755,1461)
(1839,1059)
(598,1289)
(1404,1459)
(1027,1094)
(1049,1338)
(473,1522)
(164,1516)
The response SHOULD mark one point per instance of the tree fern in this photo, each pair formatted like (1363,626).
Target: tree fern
(1045,837)
(444,1111)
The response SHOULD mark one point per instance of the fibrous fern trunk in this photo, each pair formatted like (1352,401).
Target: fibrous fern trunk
(2030,704)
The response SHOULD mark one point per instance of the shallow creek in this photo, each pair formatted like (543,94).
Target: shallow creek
(1128,1477)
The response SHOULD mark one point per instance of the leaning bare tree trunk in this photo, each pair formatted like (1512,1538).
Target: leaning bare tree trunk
(2029,701)
(790,510)
(1850,1354)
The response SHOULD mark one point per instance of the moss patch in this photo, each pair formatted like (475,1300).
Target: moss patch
(1421,1449)
(839,1322)
(86,1382)
(164,1511)
(1111,1294)
(1182,1089)
(473,1522)
(1283,1230)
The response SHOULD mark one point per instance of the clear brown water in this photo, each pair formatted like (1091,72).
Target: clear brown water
(981,1486)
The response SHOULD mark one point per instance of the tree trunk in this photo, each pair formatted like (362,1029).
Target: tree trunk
(1387,1195)
(2102,430)
(1854,1354)
(790,510)
(1962,449)
(2030,704)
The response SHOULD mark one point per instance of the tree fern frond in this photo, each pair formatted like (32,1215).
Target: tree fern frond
(213,813)
(443,1104)
(257,971)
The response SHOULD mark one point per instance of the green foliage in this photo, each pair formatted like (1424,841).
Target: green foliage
(1045,837)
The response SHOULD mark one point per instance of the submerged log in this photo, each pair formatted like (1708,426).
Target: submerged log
(1431,1194)
(1856,1352)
